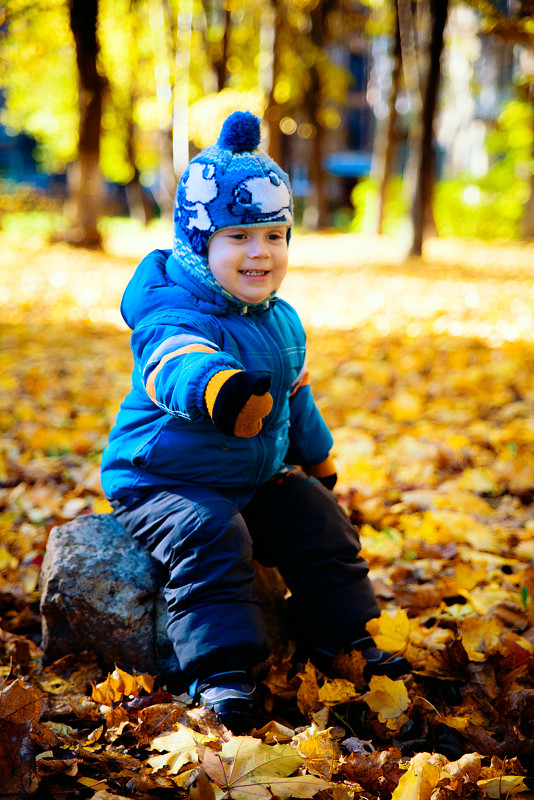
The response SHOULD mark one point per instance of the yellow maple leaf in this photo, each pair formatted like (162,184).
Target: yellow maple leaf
(368,478)
(388,698)
(180,746)
(320,753)
(332,693)
(391,632)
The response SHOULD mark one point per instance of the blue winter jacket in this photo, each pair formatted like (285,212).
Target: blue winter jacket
(184,332)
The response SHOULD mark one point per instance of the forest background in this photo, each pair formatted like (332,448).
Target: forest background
(117,95)
(421,350)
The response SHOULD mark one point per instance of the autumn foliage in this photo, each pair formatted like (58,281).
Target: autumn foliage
(424,372)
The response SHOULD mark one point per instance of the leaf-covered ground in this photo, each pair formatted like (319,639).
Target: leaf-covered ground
(424,370)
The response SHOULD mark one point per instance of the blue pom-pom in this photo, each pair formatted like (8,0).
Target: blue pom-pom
(240,132)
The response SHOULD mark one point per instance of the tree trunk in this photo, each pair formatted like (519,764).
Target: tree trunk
(273,112)
(220,64)
(316,169)
(390,138)
(421,205)
(313,107)
(85,178)
(138,204)
(217,56)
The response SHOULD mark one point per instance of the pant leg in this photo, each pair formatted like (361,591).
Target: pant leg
(203,541)
(298,525)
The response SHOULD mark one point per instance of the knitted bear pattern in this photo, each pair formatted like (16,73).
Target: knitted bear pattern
(230,184)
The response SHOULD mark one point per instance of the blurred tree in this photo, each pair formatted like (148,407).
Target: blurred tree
(38,79)
(386,138)
(275,30)
(216,37)
(422,197)
(121,55)
(153,75)
(309,84)
(85,177)
(514,23)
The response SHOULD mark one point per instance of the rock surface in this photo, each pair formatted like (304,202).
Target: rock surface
(100,592)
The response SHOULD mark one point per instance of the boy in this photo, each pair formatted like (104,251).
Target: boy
(199,466)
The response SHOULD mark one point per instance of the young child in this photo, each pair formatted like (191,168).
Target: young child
(200,466)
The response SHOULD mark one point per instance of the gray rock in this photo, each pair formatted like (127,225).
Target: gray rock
(100,592)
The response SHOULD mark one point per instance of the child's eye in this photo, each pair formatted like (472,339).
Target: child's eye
(274,236)
(238,236)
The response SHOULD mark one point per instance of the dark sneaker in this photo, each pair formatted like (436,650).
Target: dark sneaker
(230,695)
(380,662)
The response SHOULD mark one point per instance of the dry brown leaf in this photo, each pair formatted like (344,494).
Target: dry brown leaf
(274,733)
(308,691)
(19,703)
(157,719)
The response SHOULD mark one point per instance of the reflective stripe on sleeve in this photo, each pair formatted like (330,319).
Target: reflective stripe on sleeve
(303,379)
(191,348)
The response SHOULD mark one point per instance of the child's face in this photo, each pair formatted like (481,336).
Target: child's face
(250,263)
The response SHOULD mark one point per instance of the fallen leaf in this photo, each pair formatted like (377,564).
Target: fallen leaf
(468,766)
(480,636)
(274,733)
(308,691)
(391,632)
(120,684)
(245,768)
(504,786)
(387,697)
(17,760)
(320,753)
(19,703)
(337,691)
(180,747)
(419,781)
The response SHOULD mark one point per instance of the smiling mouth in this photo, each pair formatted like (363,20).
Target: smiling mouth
(253,272)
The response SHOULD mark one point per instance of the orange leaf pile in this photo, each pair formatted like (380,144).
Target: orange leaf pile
(423,371)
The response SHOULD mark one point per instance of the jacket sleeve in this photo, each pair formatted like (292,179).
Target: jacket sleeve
(174,364)
(309,436)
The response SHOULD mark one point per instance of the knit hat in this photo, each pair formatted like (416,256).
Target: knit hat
(230,184)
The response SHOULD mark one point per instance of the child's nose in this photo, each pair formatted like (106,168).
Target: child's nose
(258,248)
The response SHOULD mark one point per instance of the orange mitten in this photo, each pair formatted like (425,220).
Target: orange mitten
(237,401)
